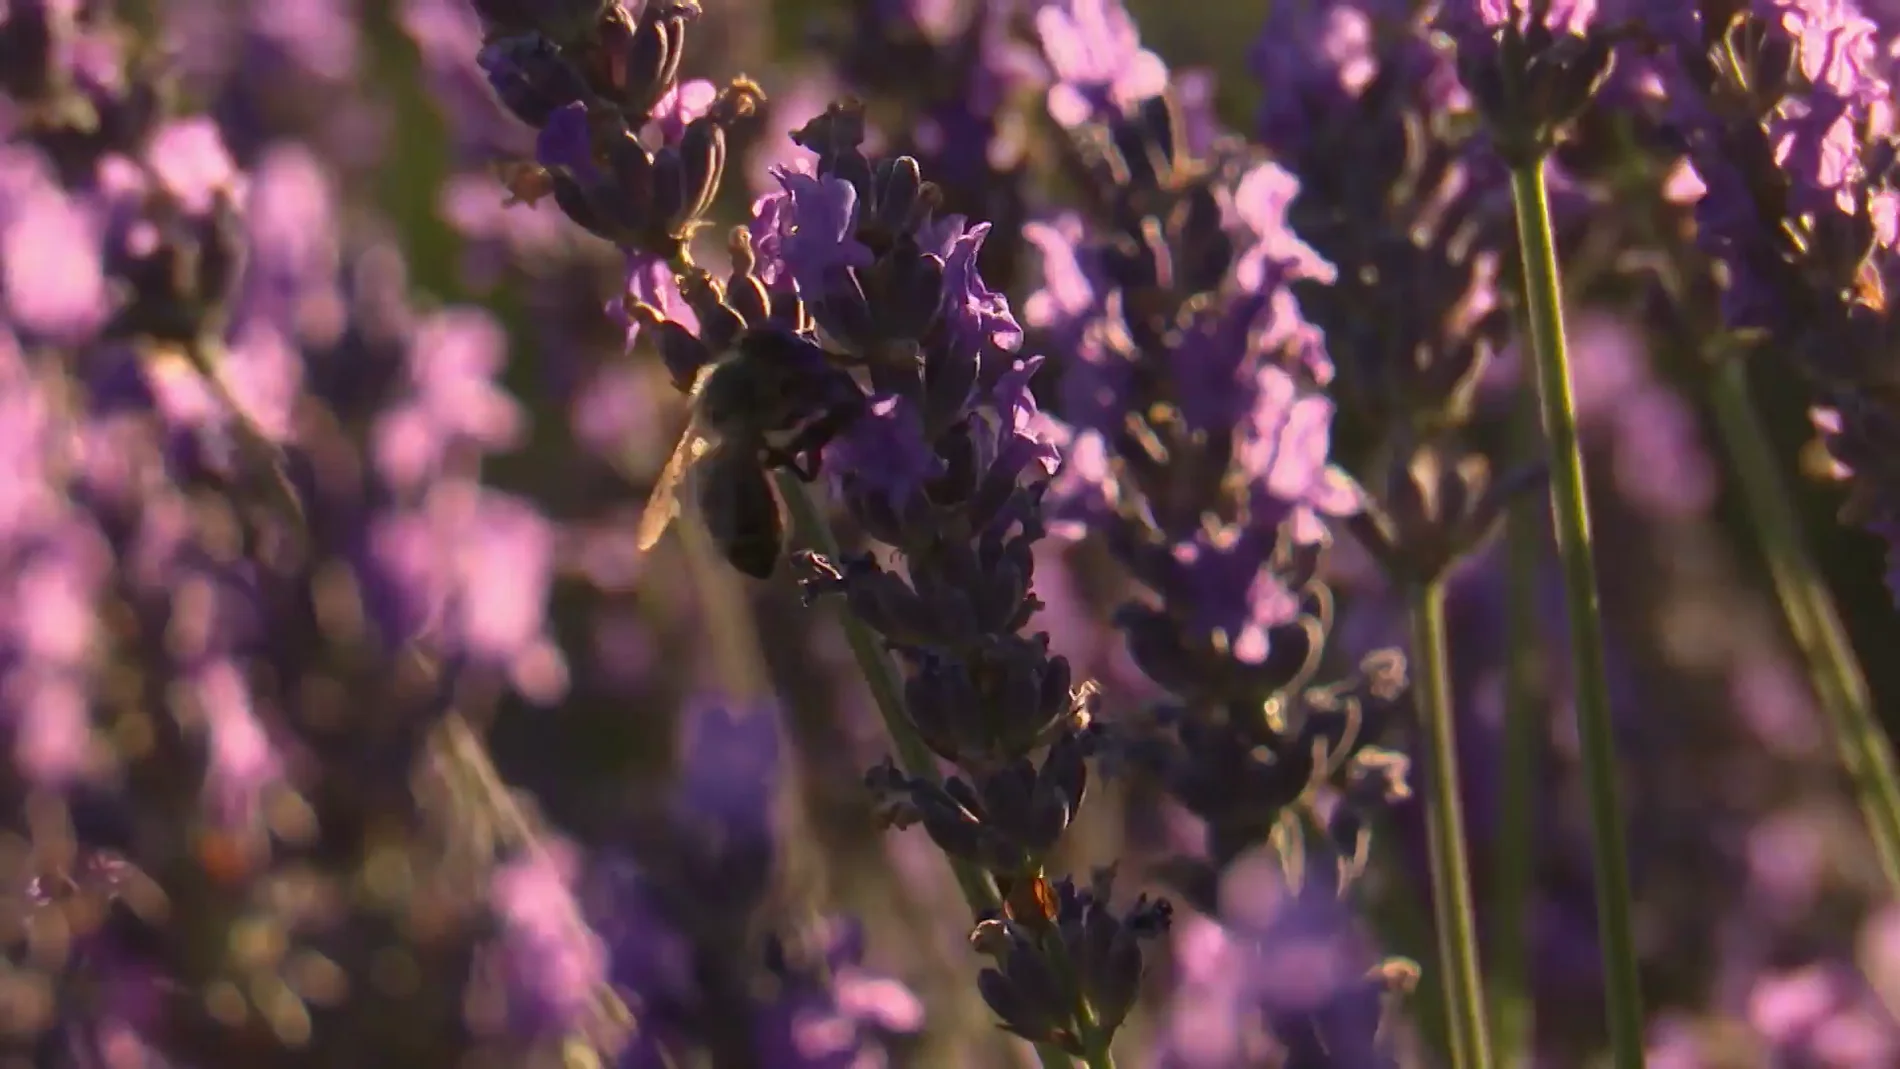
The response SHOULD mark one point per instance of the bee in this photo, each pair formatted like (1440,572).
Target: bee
(770,402)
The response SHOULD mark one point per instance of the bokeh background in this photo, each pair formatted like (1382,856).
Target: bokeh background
(367,131)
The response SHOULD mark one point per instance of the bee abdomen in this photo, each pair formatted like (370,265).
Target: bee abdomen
(742,510)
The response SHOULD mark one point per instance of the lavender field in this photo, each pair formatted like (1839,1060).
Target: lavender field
(949,534)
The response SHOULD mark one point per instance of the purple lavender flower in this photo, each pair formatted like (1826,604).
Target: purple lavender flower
(672,912)
(1095,56)
(270,73)
(1197,443)
(1531,67)
(818,229)
(956,71)
(555,963)
(242,762)
(1484,16)
(469,570)
(1284,973)
(448,33)
(1231,357)
(455,406)
(52,271)
(1283,451)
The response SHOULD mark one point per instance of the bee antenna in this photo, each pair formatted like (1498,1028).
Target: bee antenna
(740,244)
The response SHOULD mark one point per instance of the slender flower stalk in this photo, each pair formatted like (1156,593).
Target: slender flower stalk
(1570,510)
(1808,261)
(1737,208)
(850,269)
(1513,878)
(1457,929)
(1532,69)
(1814,625)
(1407,213)
(1199,431)
(886,686)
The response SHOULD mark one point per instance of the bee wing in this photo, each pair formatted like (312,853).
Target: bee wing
(664,503)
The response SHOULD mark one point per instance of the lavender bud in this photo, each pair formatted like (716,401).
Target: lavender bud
(836,137)
(1105,949)
(532,77)
(905,289)
(897,200)
(887,604)
(640,50)
(940,696)
(1433,511)
(1004,819)
(1531,68)
(1028,998)
(1163,651)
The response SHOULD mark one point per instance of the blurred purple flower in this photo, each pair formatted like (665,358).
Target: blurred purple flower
(1284,447)
(1280,970)
(1277,255)
(290,278)
(242,763)
(1223,583)
(835,1024)
(469,571)
(449,36)
(732,766)
(48,653)
(1095,55)
(1822,1014)
(555,963)
(1465,18)
(52,271)
(192,164)
(812,1005)
(454,402)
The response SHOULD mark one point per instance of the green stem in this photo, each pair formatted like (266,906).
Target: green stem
(1571,513)
(1451,877)
(1512,876)
(1866,753)
(1095,1045)
(887,692)
(887,689)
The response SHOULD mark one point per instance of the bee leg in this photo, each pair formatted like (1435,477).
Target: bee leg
(789,459)
(808,473)
(810,442)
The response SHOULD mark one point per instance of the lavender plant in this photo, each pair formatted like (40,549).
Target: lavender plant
(1532,70)
(1198,448)
(231,568)
(932,462)
(358,715)
(1407,225)
(1796,246)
